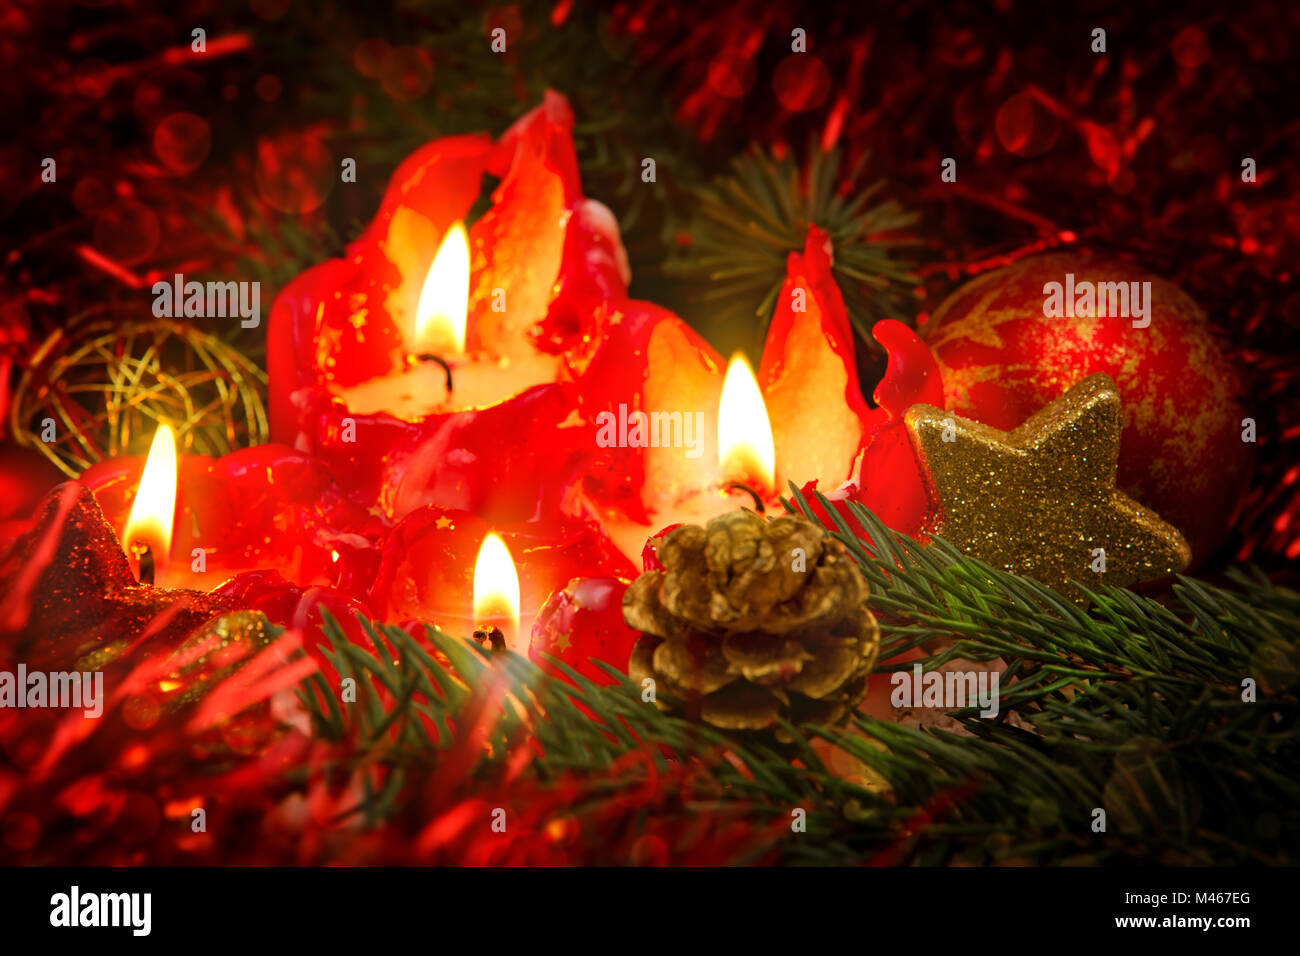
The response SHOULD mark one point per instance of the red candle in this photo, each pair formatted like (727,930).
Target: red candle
(204,520)
(457,571)
(736,467)
(437,370)
(802,419)
(361,349)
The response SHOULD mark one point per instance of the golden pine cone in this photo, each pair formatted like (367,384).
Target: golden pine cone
(755,620)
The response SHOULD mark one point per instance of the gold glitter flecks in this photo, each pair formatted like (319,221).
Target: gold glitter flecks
(231,641)
(1040,499)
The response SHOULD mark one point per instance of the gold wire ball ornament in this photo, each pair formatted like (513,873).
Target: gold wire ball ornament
(107,385)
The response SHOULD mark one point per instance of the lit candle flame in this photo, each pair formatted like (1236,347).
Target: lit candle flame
(496,588)
(152,512)
(443,310)
(745,448)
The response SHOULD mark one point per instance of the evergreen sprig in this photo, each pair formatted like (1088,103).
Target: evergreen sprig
(744,226)
(1132,707)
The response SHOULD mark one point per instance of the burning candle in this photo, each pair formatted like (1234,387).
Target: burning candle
(441,313)
(457,572)
(494,312)
(743,470)
(439,371)
(801,419)
(496,595)
(746,452)
(148,534)
(199,520)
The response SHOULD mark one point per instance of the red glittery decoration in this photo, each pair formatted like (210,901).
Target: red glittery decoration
(68,589)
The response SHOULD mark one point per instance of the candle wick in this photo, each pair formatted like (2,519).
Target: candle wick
(492,634)
(144,555)
(741,486)
(436,360)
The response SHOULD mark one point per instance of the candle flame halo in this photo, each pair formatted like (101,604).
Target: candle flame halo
(746,450)
(154,509)
(496,588)
(443,310)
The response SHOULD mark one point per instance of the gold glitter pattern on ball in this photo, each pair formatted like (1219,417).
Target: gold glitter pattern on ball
(1039,500)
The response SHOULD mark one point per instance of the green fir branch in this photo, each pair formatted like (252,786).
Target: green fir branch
(744,225)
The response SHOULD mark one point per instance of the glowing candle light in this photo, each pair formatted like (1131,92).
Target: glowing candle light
(148,534)
(446,368)
(496,595)
(442,314)
(746,451)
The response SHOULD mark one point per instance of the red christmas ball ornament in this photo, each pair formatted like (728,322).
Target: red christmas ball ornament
(1011,341)
(585,620)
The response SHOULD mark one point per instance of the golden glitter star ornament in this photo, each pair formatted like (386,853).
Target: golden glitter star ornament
(1041,500)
